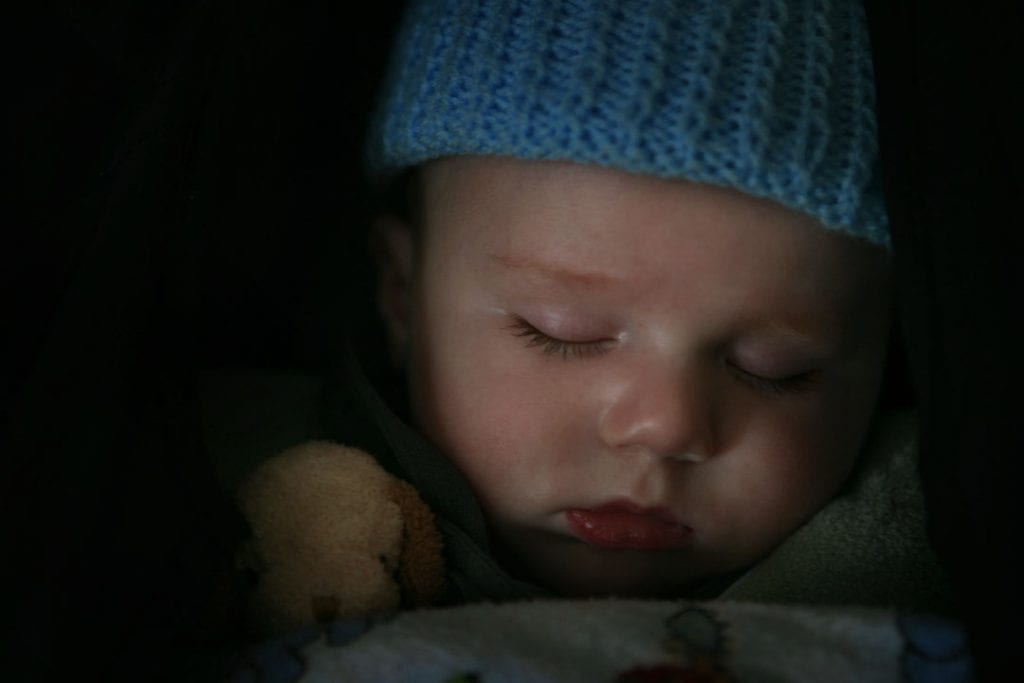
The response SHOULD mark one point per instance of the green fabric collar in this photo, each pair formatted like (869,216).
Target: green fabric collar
(472,570)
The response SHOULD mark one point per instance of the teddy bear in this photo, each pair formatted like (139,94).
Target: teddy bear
(334,536)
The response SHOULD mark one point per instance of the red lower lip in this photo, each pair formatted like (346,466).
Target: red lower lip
(622,525)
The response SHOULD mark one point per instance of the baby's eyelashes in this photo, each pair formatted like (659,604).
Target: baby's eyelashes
(789,384)
(553,346)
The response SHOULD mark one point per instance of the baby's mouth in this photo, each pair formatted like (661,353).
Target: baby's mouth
(623,525)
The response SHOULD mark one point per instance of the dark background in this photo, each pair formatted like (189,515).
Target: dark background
(948,77)
(187,195)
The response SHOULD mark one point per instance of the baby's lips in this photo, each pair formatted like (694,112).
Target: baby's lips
(624,526)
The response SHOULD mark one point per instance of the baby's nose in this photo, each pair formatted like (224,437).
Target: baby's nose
(668,413)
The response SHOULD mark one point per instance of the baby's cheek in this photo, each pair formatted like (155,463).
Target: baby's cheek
(780,476)
(467,417)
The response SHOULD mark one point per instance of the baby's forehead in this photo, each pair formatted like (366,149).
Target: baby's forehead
(582,226)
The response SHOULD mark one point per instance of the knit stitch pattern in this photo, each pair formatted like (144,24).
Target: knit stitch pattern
(772,97)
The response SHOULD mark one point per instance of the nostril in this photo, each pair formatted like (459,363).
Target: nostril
(688,456)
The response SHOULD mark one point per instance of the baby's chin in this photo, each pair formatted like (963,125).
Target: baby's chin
(572,568)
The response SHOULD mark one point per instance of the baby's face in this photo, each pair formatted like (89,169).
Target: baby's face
(646,382)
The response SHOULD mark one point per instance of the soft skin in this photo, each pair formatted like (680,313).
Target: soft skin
(576,336)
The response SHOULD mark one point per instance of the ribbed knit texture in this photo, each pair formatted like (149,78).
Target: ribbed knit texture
(771,97)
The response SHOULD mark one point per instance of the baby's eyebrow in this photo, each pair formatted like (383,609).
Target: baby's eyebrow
(558,272)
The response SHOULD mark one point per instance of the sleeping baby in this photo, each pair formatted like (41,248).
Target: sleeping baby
(638,282)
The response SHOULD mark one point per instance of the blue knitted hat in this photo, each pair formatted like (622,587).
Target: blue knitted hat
(772,97)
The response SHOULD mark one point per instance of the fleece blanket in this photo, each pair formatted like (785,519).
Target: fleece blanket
(621,641)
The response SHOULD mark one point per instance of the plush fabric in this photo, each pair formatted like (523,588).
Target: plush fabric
(623,641)
(868,546)
(773,98)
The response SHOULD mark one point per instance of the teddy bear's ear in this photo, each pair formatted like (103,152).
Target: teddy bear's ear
(326,536)
(421,566)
